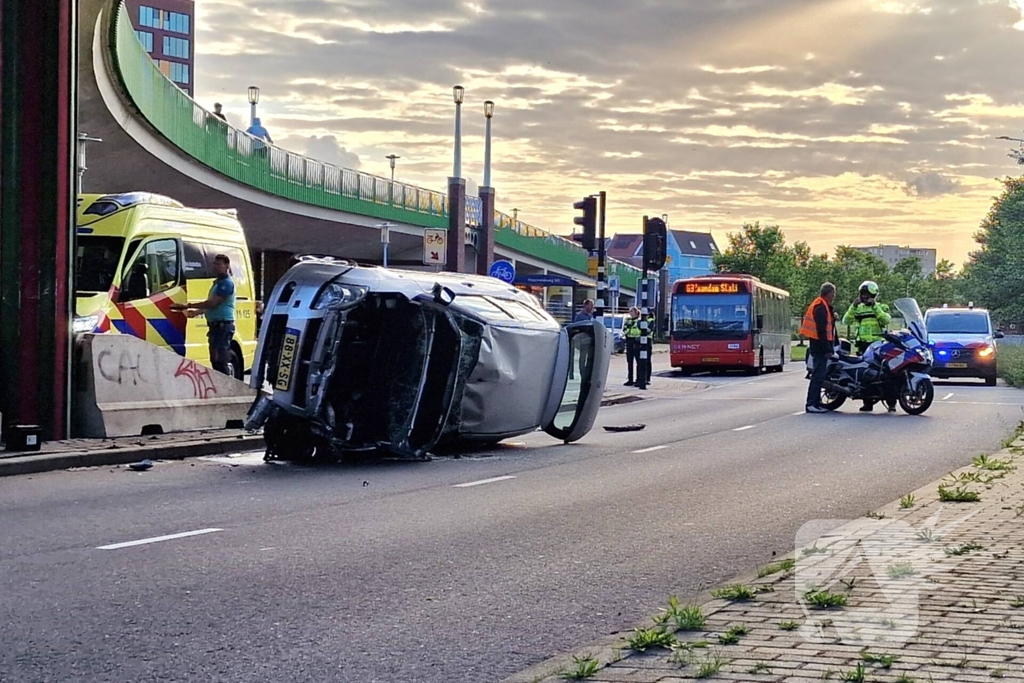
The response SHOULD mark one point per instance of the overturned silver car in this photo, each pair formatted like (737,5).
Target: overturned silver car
(364,359)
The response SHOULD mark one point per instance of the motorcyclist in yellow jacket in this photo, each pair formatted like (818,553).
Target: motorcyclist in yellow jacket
(870,318)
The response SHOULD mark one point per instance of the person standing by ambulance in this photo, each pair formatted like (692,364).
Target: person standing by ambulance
(219,309)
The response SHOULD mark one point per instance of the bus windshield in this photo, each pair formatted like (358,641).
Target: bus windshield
(96,261)
(710,316)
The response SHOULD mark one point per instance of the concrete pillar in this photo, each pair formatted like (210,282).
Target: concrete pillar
(485,254)
(38,59)
(456,226)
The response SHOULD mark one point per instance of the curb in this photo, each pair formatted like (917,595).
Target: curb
(613,648)
(48,462)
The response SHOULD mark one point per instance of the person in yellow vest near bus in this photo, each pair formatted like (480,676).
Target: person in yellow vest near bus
(819,326)
(631,330)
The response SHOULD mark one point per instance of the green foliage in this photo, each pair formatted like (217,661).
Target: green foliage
(1010,365)
(993,276)
(644,638)
(584,668)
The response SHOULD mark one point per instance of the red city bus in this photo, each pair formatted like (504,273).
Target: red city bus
(729,321)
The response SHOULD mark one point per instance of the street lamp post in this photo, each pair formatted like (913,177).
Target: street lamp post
(458,93)
(488,114)
(254,98)
(83,141)
(392,158)
(515,217)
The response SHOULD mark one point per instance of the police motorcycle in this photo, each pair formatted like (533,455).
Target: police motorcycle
(894,369)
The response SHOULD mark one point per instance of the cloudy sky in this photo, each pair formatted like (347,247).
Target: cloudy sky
(844,121)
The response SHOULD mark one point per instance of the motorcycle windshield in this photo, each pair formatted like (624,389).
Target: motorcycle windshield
(913,318)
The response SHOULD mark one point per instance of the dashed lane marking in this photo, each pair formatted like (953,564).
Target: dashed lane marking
(948,396)
(157,539)
(651,449)
(483,481)
(743,429)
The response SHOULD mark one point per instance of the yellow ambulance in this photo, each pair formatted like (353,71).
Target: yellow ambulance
(138,253)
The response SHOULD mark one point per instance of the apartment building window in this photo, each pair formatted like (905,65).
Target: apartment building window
(162,19)
(146,38)
(179,73)
(176,47)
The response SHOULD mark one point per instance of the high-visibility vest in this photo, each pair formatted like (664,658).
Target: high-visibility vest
(809,328)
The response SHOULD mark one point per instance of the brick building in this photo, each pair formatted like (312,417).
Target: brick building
(166,29)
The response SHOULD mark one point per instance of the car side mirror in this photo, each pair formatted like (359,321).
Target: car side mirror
(999,334)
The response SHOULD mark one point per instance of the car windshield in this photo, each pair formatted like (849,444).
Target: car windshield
(710,316)
(96,262)
(958,322)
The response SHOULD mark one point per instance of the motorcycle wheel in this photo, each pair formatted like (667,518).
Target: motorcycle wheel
(915,403)
(832,400)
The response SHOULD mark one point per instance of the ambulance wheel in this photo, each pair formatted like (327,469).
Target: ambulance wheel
(235,366)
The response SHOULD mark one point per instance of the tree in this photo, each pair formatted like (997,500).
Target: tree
(762,252)
(993,276)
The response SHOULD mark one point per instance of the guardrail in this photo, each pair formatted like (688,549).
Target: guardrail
(272,169)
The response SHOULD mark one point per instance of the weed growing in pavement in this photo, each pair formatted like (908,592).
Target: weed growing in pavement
(883,660)
(823,599)
(774,568)
(875,515)
(927,535)
(907,501)
(584,667)
(966,477)
(961,663)
(789,625)
(958,494)
(644,638)
(683,617)
(1018,432)
(900,570)
(814,550)
(985,462)
(828,674)
(962,549)
(857,675)
(1017,602)
(905,678)
(849,583)
(710,666)
(737,592)
(682,652)
(997,673)
(733,635)
(760,668)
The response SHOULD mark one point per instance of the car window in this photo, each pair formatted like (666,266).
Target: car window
(156,269)
(520,311)
(482,307)
(195,265)
(957,322)
(96,261)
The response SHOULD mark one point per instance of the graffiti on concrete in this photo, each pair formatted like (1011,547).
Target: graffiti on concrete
(125,369)
(202,380)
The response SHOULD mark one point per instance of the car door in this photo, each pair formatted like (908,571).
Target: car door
(581,373)
(151,282)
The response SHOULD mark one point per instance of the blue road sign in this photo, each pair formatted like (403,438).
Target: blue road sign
(504,271)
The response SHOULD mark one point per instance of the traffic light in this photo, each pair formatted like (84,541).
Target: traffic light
(655,243)
(588,220)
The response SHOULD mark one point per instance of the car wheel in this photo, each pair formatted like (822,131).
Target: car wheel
(235,366)
(990,381)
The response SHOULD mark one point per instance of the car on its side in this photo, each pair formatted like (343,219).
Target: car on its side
(399,362)
(964,342)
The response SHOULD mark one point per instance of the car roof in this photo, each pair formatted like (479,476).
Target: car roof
(956,309)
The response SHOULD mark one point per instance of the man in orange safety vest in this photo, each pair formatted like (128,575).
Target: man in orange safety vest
(819,326)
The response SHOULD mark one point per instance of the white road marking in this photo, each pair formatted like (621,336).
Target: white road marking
(800,412)
(743,429)
(157,539)
(651,449)
(947,396)
(483,481)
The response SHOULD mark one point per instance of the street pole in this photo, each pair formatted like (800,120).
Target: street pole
(600,261)
(458,93)
(385,239)
(643,366)
(488,115)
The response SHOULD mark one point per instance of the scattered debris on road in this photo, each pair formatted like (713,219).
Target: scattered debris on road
(625,428)
(141,466)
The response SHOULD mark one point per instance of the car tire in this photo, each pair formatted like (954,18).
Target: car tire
(991,381)
(235,365)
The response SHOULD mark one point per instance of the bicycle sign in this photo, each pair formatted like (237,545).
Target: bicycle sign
(504,271)
(435,247)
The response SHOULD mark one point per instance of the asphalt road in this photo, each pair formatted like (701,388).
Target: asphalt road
(392,572)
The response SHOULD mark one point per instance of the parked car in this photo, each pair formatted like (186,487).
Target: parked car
(964,342)
(371,359)
(615,323)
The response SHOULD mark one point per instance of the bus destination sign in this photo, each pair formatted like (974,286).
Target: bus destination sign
(713,288)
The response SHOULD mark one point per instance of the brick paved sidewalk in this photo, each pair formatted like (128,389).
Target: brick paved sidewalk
(933,591)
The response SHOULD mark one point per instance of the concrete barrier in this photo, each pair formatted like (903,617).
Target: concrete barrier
(125,386)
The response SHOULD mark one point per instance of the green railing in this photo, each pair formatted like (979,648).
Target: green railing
(279,172)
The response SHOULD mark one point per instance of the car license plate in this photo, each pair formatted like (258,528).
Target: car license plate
(289,345)
(709,360)
(956,365)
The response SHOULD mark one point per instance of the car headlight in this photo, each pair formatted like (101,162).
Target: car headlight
(337,294)
(84,324)
(986,351)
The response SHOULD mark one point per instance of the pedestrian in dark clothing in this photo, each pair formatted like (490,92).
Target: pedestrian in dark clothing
(586,313)
(819,326)
(586,351)
(218,111)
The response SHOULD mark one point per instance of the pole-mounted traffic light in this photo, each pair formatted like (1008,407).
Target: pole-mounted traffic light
(588,220)
(655,243)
